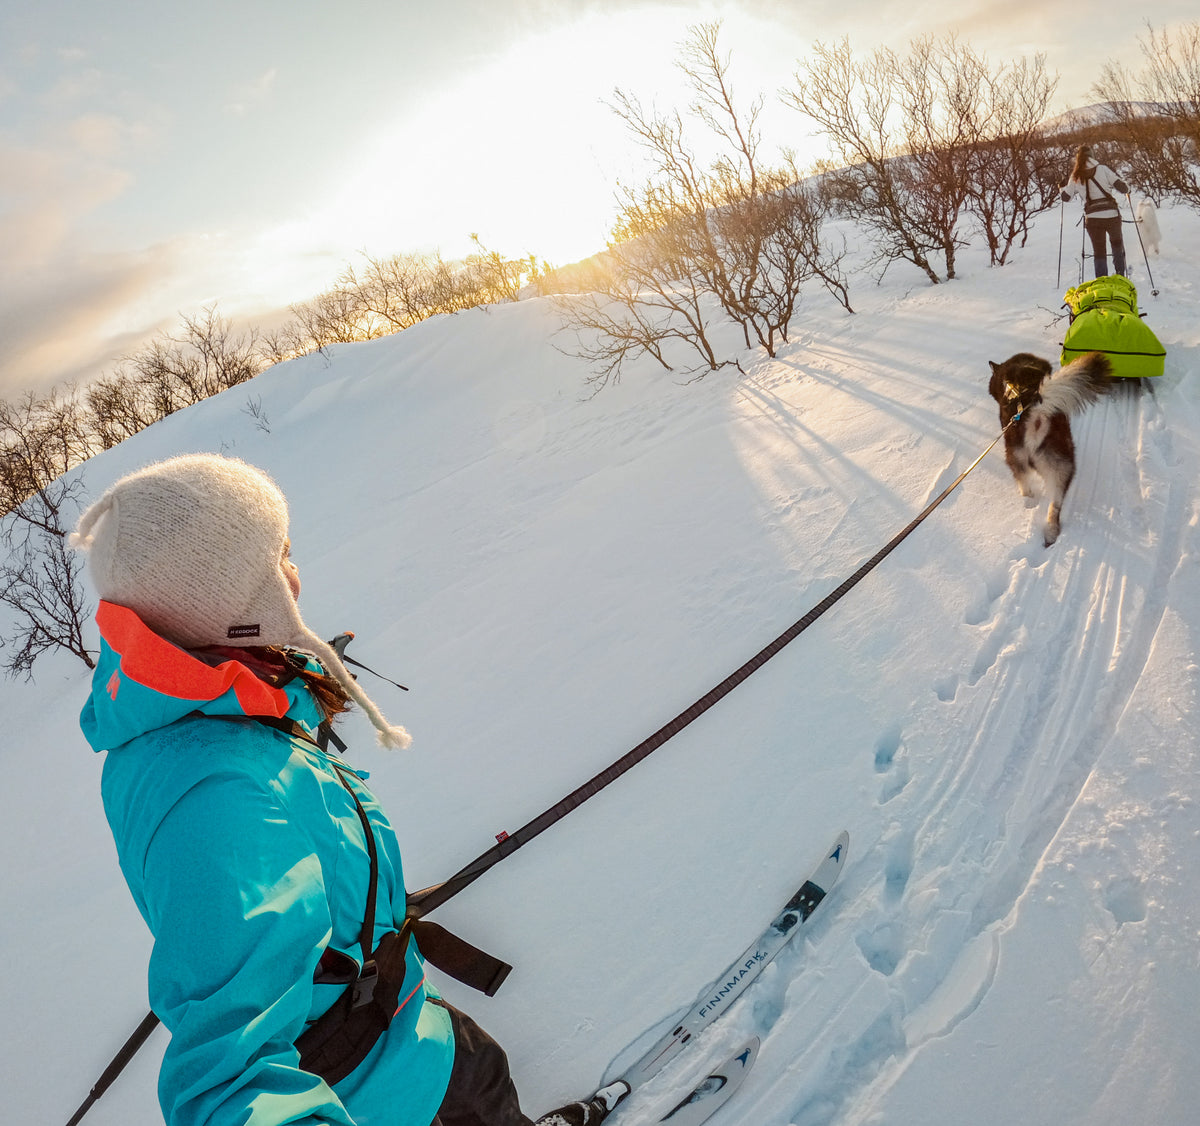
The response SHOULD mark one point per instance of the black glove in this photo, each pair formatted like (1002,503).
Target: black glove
(1121,186)
(1065,198)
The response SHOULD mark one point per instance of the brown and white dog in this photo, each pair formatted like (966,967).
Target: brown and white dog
(1041,439)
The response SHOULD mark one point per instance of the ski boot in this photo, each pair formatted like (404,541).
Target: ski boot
(589,1113)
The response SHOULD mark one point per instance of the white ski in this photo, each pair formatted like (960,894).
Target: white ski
(715,1001)
(716,1089)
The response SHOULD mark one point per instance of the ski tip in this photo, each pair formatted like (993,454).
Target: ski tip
(715,1089)
(746,1054)
(835,860)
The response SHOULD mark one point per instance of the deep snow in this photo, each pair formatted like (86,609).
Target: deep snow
(1008,732)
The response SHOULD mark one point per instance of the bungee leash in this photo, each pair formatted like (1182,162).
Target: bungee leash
(427,899)
(506,844)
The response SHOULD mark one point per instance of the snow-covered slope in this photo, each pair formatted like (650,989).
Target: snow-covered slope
(1007,732)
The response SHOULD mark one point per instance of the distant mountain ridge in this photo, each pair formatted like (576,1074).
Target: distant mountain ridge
(1099,114)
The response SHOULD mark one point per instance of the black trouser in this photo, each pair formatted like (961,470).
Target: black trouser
(481,1091)
(1097,230)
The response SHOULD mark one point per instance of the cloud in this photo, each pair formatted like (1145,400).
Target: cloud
(246,97)
(47,192)
(56,289)
(70,319)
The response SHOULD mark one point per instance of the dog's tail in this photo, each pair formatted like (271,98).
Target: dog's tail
(1077,385)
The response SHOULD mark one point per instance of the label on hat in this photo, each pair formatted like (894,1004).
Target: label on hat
(242,631)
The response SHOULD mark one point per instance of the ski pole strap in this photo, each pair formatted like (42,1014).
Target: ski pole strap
(423,901)
(458,958)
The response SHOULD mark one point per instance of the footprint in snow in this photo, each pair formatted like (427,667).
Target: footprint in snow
(896,776)
(885,750)
(946,688)
(899,866)
(882,948)
(1125,899)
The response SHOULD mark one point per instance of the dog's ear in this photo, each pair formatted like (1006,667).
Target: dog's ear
(996,383)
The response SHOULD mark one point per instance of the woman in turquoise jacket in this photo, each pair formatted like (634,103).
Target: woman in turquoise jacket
(243,842)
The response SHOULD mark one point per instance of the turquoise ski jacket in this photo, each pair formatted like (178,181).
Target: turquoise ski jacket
(246,858)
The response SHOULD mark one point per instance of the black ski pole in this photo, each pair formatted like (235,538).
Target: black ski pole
(1061,209)
(1082,248)
(127,1052)
(1137,226)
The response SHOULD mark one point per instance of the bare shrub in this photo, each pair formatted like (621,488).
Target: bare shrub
(1014,172)
(207,358)
(40,580)
(734,233)
(1156,113)
(854,101)
(920,140)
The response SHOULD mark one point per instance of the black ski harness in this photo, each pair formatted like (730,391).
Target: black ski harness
(341,1038)
(1090,205)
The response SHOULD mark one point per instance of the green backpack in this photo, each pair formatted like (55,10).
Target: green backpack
(1105,318)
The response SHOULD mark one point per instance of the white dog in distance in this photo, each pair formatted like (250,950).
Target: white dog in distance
(1147,217)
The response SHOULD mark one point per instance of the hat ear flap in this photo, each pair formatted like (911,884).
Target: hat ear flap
(82,538)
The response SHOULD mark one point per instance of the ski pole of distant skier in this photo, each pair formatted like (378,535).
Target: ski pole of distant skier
(1058,278)
(1137,226)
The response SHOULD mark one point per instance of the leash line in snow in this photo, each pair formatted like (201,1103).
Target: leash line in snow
(421,902)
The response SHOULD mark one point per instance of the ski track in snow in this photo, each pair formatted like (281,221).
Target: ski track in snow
(921,914)
(964,828)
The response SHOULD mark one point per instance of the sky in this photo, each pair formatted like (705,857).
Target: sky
(157,158)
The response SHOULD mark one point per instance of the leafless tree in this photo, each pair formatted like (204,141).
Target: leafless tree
(118,407)
(40,439)
(732,235)
(856,103)
(336,316)
(400,290)
(1014,171)
(40,586)
(653,298)
(614,327)
(1156,113)
(174,372)
(921,140)
(281,343)
(938,84)
(490,277)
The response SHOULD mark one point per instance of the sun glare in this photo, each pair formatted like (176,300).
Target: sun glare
(521,148)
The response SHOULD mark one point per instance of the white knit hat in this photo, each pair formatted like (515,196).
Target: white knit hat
(194,546)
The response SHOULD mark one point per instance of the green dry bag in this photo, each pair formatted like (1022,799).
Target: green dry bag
(1105,318)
